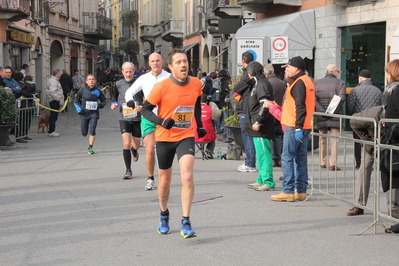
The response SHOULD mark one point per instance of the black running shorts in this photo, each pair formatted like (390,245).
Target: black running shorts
(132,127)
(166,151)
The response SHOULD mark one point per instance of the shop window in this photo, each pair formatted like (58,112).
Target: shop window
(363,47)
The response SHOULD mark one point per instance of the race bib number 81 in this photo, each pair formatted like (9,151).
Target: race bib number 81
(183,116)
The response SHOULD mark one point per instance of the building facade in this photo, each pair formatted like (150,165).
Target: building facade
(48,34)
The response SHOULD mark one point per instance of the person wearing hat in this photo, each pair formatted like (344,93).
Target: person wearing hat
(297,111)
(364,96)
(326,88)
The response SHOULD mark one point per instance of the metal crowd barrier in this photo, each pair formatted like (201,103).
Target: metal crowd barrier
(27,118)
(341,184)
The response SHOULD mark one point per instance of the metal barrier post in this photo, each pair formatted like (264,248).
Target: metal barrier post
(27,122)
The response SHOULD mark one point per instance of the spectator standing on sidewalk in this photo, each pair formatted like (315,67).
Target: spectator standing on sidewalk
(129,118)
(297,111)
(1,77)
(364,96)
(66,84)
(242,88)
(278,95)
(259,124)
(11,83)
(326,89)
(25,69)
(214,92)
(55,96)
(365,131)
(78,81)
(390,99)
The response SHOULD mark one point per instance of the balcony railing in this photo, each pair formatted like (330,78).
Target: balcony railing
(172,29)
(14,10)
(219,3)
(147,31)
(18,5)
(97,25)
(173,25)
(150,31)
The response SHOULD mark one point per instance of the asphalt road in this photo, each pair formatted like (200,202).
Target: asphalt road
(61,206)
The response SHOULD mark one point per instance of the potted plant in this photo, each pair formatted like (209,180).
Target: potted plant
(233,121)
(8,114)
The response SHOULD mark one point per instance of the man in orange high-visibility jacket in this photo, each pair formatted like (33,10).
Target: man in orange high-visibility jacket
(298,107)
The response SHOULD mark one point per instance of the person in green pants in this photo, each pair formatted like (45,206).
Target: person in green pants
(259,124)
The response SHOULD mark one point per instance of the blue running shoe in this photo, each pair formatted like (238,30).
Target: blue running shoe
(185,229)
(163,226)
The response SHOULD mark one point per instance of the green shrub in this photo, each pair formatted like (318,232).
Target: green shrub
(8,111)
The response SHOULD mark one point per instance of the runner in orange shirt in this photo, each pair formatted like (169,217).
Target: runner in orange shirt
(179,101)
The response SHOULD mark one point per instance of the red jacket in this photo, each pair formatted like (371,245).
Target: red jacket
(206,117)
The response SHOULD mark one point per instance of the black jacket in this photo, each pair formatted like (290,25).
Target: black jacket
(256,112)
(66,83)
(224,90)
(391,111)
(86,94)
(242,88)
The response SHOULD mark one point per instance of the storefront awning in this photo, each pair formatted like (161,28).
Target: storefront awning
(188,47)
(394,52)
(299,27)
(222,52)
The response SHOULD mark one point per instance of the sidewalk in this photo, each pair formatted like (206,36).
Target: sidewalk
(61,206)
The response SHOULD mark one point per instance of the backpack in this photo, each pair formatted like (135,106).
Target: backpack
(233,152)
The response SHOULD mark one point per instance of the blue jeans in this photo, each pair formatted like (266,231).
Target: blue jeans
(295,162)
(248,145)
(227,133)
(217,125)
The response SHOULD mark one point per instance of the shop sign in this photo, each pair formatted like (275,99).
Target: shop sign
(216,41)
(20,36)
(279,51)
(74,51)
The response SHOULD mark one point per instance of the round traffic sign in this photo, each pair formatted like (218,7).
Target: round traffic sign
(253,53)
(279,44)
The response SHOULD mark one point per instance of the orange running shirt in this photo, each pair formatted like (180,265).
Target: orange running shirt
(177,102)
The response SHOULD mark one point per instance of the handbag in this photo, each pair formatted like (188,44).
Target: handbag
(385,160)
(385,156)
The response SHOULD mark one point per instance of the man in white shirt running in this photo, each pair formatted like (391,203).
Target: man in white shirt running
(145,83)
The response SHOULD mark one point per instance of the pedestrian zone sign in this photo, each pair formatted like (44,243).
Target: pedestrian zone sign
(279,49)
(253,45)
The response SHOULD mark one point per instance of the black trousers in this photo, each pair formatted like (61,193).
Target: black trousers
(53,116)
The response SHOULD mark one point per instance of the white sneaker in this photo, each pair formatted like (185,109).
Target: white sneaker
(150,185)
(246,169)
(240,166)
(53,134)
